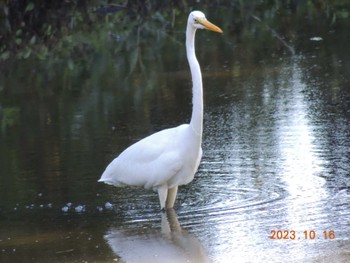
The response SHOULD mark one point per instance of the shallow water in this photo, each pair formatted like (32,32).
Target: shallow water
(273,183)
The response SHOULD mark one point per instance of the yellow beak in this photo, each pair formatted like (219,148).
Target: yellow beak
(209,26)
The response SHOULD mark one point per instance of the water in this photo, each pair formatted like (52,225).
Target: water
(273,183)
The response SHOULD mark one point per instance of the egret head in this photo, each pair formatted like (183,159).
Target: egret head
(198,20)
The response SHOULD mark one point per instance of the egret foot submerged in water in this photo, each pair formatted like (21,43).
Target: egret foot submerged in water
(168,158)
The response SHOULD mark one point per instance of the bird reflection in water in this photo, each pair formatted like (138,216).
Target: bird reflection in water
(170,244)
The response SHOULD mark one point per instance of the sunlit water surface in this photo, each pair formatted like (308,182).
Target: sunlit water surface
(273,184)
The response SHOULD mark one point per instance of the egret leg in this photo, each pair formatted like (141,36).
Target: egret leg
(171,197)
(162,193)
(173,222)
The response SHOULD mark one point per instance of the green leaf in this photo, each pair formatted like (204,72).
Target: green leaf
(71,64)
(32,40)
(27,53)
(5,55)
(343,14)
(48,30)
(10,117)
(29,7)
(18,41)
(43,52)
(18,32)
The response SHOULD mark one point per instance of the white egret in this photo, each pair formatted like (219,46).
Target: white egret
(168,158)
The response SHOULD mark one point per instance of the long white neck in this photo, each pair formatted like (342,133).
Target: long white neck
(197,89)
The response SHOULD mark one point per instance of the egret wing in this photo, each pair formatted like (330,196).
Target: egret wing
(150,162)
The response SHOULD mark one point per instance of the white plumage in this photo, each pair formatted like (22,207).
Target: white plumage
(168,158)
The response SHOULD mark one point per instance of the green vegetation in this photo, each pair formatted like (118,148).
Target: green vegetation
(70,30)
(62,45)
